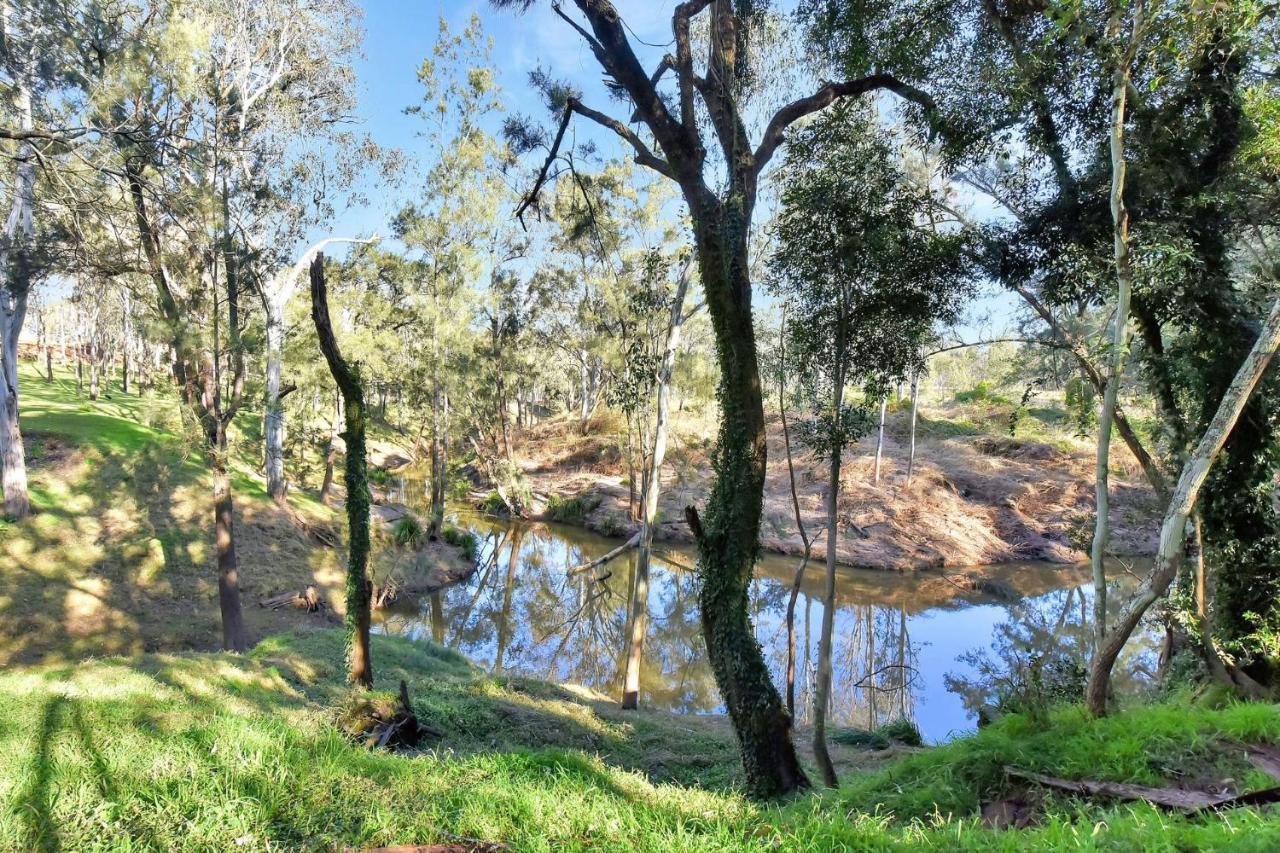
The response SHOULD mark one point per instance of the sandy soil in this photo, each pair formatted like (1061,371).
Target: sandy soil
(972,500)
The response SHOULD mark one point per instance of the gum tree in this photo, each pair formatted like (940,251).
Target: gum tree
(865,279)
(684,107)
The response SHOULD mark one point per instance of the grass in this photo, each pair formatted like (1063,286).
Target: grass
(117,555)
(212,752)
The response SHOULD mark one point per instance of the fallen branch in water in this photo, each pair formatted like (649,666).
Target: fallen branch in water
(612,555)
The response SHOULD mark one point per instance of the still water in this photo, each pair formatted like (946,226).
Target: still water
(907,644)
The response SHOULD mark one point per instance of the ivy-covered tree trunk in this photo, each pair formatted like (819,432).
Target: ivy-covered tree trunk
(359,587)
(728,536)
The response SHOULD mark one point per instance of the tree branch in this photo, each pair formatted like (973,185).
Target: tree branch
(826,96)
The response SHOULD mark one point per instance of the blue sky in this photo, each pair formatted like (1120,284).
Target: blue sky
(400,33)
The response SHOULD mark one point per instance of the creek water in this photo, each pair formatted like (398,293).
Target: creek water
(907,644)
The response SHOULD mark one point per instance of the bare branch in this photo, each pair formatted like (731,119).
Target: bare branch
(826,96)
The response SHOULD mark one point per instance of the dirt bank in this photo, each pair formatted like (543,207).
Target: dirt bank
(972,499)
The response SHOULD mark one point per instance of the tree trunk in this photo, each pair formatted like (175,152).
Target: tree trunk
(915,404)
(273,411)
(331,456)
(1119,340)
(1173,531)
(728,545)
(884,407)
(439,473)
(652,486)
(233,635)
(798,580)
(822,695)
(15,285)
(359,588)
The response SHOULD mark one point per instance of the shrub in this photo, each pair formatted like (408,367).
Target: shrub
(407,532)
(463,540)
(571,510)
(379,476)
(983,392)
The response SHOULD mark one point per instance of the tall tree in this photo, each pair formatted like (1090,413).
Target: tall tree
(359,586)
(865,281)
(728,536)
(17,61)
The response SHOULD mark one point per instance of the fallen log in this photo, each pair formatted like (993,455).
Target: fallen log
(1172,799)
(612,555)
(308,599)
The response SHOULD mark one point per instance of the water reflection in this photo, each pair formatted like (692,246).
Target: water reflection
(906,645)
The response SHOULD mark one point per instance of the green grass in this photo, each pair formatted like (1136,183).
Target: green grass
(214,752)
(117,555)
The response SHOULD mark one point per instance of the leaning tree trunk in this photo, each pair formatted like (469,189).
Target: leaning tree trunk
(640,589)
(359,587)
(729,541)
(1173,532)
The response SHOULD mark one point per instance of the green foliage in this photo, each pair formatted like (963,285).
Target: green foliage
(983,392)
(493,504)
(901,731)
(407,532)
(1080,400)
(463,540)
(571,510)
(379,476)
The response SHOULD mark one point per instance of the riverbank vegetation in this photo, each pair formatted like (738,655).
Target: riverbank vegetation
(804,278)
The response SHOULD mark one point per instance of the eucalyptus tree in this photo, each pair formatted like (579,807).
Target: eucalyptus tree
(447,227)
(865,281)
(20,48)
(706,100)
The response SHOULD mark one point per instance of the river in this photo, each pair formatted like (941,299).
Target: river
(907,644)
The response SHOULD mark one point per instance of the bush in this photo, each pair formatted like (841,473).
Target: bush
(407,532)
(903,731)
(463,540)
(493,504)
(379,476)
(571,510)
(983,392)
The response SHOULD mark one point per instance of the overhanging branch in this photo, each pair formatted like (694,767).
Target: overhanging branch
(826,96)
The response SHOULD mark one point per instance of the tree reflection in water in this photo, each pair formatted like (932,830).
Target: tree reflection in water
(906,644)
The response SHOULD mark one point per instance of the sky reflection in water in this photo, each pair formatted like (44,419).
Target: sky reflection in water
(902,640)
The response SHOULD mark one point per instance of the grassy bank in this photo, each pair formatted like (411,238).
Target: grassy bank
(214,752)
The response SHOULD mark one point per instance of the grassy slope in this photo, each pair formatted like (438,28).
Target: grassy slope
(205,752)
(117,557)
(209,752)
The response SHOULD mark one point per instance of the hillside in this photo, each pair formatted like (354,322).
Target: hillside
(977,496)
(118,556)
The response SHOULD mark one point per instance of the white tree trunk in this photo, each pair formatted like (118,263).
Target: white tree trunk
(884,407)
(1120,334)
(915,402)
(640,589)
(277,294)
(273,415)
(15,269)
(1173,532)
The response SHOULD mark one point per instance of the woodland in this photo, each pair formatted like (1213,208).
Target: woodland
(687,425)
